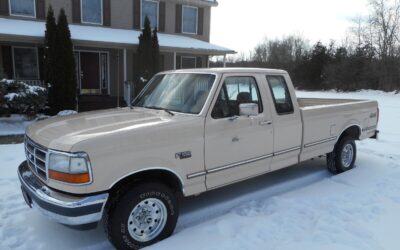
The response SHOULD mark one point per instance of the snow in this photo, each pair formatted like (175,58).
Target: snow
(14,125)
(125,37)
(301,207)
(67,112)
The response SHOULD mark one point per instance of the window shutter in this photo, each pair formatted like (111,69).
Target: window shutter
(161,17)
(41,62)
(200,22)
(7,61)
(4,10)
(107,12)
(178,62)
(199,62)
(162,62)
(76,11)
(136,14)
(40,9)
(178,21)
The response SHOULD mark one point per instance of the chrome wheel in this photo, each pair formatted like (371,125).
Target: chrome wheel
(147,220)
(347,155)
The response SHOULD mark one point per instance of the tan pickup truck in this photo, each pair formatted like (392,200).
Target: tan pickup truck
(188,132)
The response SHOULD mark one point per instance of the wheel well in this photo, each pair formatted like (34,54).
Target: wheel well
(164,176)
(352,131)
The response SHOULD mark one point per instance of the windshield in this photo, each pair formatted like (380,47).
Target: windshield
(184,93)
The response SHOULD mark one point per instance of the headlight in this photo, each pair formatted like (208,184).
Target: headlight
(70,168)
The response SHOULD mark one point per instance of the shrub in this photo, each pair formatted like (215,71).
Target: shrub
(20,98)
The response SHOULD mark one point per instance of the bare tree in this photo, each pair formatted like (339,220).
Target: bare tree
(384,26)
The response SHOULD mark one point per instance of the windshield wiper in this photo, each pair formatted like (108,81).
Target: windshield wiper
(159,108)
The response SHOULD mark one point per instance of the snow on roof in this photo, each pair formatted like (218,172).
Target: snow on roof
(124,37)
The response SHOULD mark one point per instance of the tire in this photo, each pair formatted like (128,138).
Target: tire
(152,204)
(343,156)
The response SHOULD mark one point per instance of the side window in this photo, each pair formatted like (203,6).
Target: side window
(280,94)
(235,91)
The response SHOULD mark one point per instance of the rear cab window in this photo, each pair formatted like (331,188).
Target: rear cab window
(280,95)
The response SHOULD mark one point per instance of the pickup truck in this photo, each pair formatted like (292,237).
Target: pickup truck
(187,132)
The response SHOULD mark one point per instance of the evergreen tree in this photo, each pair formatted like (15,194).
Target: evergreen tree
(65,79)
(155,52)
(50,55)
(148,60)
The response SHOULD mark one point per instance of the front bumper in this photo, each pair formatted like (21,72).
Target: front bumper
(68,210)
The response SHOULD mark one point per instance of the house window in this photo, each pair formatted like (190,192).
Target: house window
(189,19)
(188,62)
(25,63)
(92,11)
(23,8)
(150,9)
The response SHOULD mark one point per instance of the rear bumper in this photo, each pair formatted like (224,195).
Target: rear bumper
(74,211)
(375,136)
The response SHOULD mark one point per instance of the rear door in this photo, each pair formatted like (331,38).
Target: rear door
(237,147)
(287,121)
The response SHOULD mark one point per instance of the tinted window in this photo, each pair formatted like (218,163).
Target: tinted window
(280,94)
(91,11)
(23,7)
(189,17)
(150,9)
(236,91)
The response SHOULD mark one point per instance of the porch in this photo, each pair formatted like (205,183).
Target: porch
(104,63)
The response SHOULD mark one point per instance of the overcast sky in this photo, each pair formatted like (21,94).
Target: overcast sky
(241,24)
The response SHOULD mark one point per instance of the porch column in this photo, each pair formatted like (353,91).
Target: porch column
(224,61)
(174,60)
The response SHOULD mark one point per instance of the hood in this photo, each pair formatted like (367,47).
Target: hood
(61,133)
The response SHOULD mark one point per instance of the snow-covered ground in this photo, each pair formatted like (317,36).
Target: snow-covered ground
(301,207)
(14,125)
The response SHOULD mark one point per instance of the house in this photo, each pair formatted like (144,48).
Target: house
(105,37)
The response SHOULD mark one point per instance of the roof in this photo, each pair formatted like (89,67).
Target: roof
(111,37)
(230,70)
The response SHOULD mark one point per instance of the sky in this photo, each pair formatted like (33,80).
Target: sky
(241,25)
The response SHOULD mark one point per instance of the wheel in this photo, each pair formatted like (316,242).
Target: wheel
(343,156)
(142,216)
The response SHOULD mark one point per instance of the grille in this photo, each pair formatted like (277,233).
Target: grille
(36,156)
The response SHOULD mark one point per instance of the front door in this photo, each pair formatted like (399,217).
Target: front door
(237,147)
(90,73)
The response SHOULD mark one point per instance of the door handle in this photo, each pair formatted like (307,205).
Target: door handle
(265,123)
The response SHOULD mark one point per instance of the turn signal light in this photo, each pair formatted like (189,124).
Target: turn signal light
(70,178)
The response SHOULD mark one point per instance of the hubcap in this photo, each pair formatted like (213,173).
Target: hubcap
(147,219)
(347,155)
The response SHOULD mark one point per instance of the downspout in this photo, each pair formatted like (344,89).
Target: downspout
(174,61)
(118,83)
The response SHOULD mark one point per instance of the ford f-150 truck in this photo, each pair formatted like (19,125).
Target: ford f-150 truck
(187,132)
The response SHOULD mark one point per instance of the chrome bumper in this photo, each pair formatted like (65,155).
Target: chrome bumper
(65,209)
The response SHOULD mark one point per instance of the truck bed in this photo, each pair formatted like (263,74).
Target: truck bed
(324,120)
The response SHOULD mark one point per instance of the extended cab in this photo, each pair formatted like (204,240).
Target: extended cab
(188,131)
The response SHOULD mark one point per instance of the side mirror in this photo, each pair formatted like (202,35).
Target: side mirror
(248,109)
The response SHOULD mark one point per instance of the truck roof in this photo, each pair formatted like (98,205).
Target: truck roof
(229,70)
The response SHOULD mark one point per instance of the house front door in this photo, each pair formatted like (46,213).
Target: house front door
(90,73)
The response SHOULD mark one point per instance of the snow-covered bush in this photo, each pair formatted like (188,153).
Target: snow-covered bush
(20,98)
(67,112)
